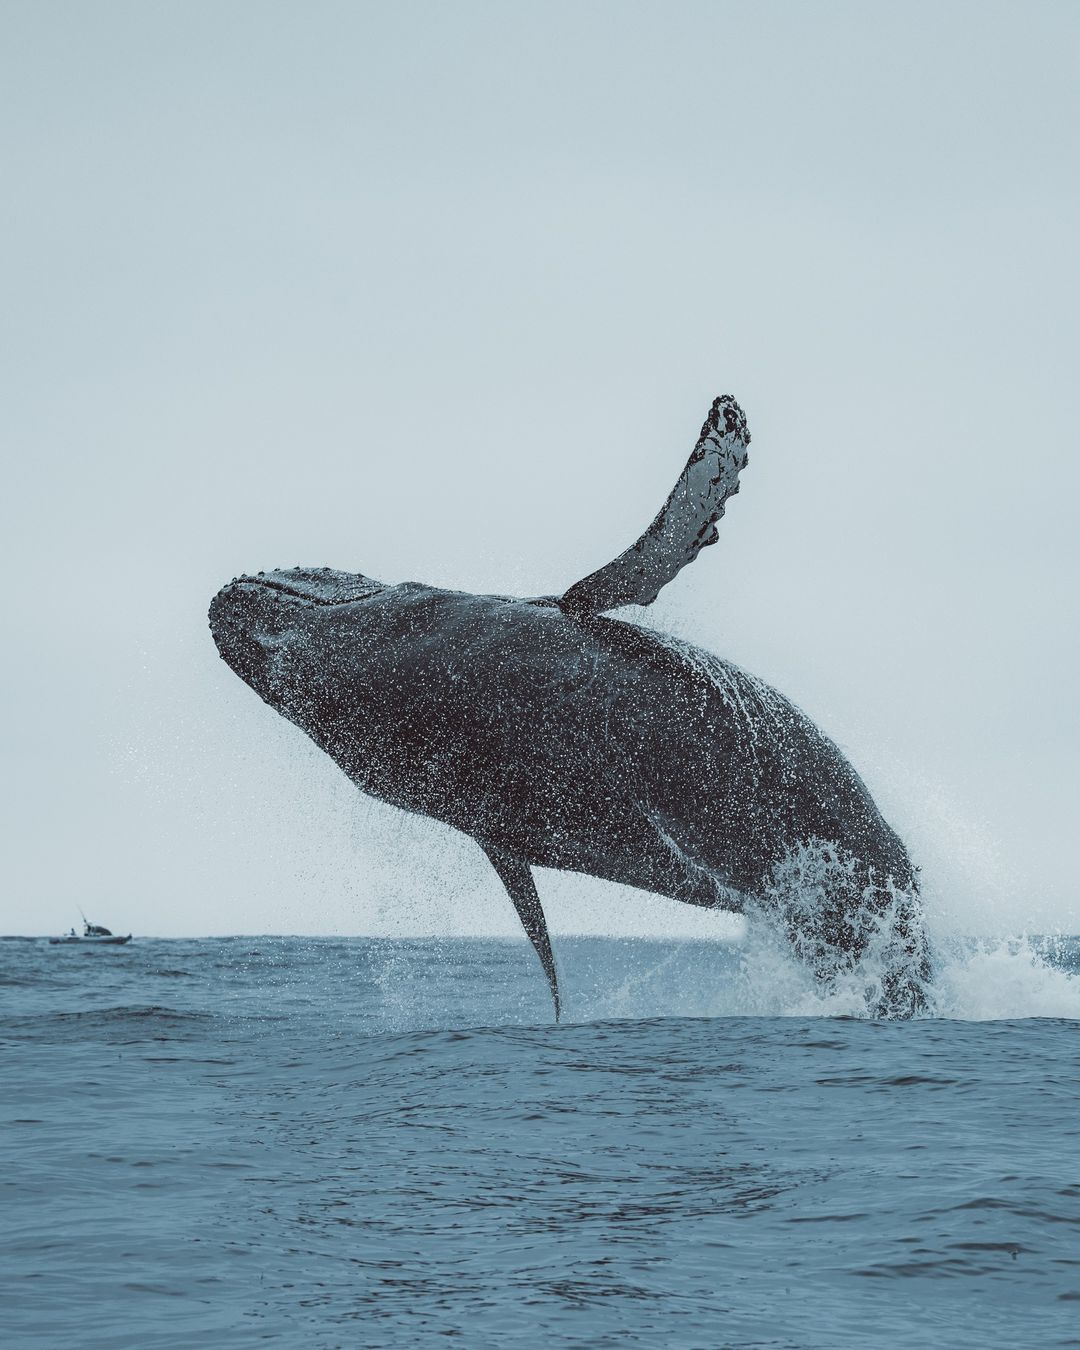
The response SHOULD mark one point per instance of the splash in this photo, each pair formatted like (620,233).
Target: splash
(991,979)
(846,926)
(975,980)
(878,957)
(850,933)
(823,941)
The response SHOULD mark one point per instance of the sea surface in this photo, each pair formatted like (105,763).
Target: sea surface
(359,1142)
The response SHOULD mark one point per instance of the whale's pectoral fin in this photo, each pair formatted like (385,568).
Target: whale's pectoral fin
(685,525)
(516,877)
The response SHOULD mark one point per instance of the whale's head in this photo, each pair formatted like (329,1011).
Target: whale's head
(276,630)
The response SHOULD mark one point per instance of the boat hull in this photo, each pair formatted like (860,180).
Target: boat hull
(89,941)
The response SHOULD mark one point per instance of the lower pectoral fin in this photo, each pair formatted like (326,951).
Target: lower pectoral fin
(517,878)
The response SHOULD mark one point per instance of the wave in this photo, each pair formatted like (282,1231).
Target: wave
(142,1020)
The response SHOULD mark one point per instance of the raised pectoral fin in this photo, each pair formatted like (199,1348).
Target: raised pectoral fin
(517,878)
(684,526)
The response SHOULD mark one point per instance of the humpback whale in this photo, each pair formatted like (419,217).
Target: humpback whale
(557,736)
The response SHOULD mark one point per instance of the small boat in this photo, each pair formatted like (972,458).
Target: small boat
(93,935)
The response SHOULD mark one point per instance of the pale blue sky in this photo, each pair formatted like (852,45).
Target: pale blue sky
(443,291)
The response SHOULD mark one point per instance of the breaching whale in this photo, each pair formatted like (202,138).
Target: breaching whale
(556,736)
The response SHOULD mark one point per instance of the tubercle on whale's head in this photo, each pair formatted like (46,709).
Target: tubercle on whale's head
(266,626)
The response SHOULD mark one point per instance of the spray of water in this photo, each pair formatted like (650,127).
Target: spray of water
(802,956)
(760,976)
(847,928)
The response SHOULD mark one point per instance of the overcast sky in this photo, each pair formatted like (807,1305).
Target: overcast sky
(442,292)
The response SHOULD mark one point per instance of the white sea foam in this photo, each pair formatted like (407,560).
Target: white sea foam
(985,979)
(974,980)
(760,975)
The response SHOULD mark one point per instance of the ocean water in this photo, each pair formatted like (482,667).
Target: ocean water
(363,1142)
